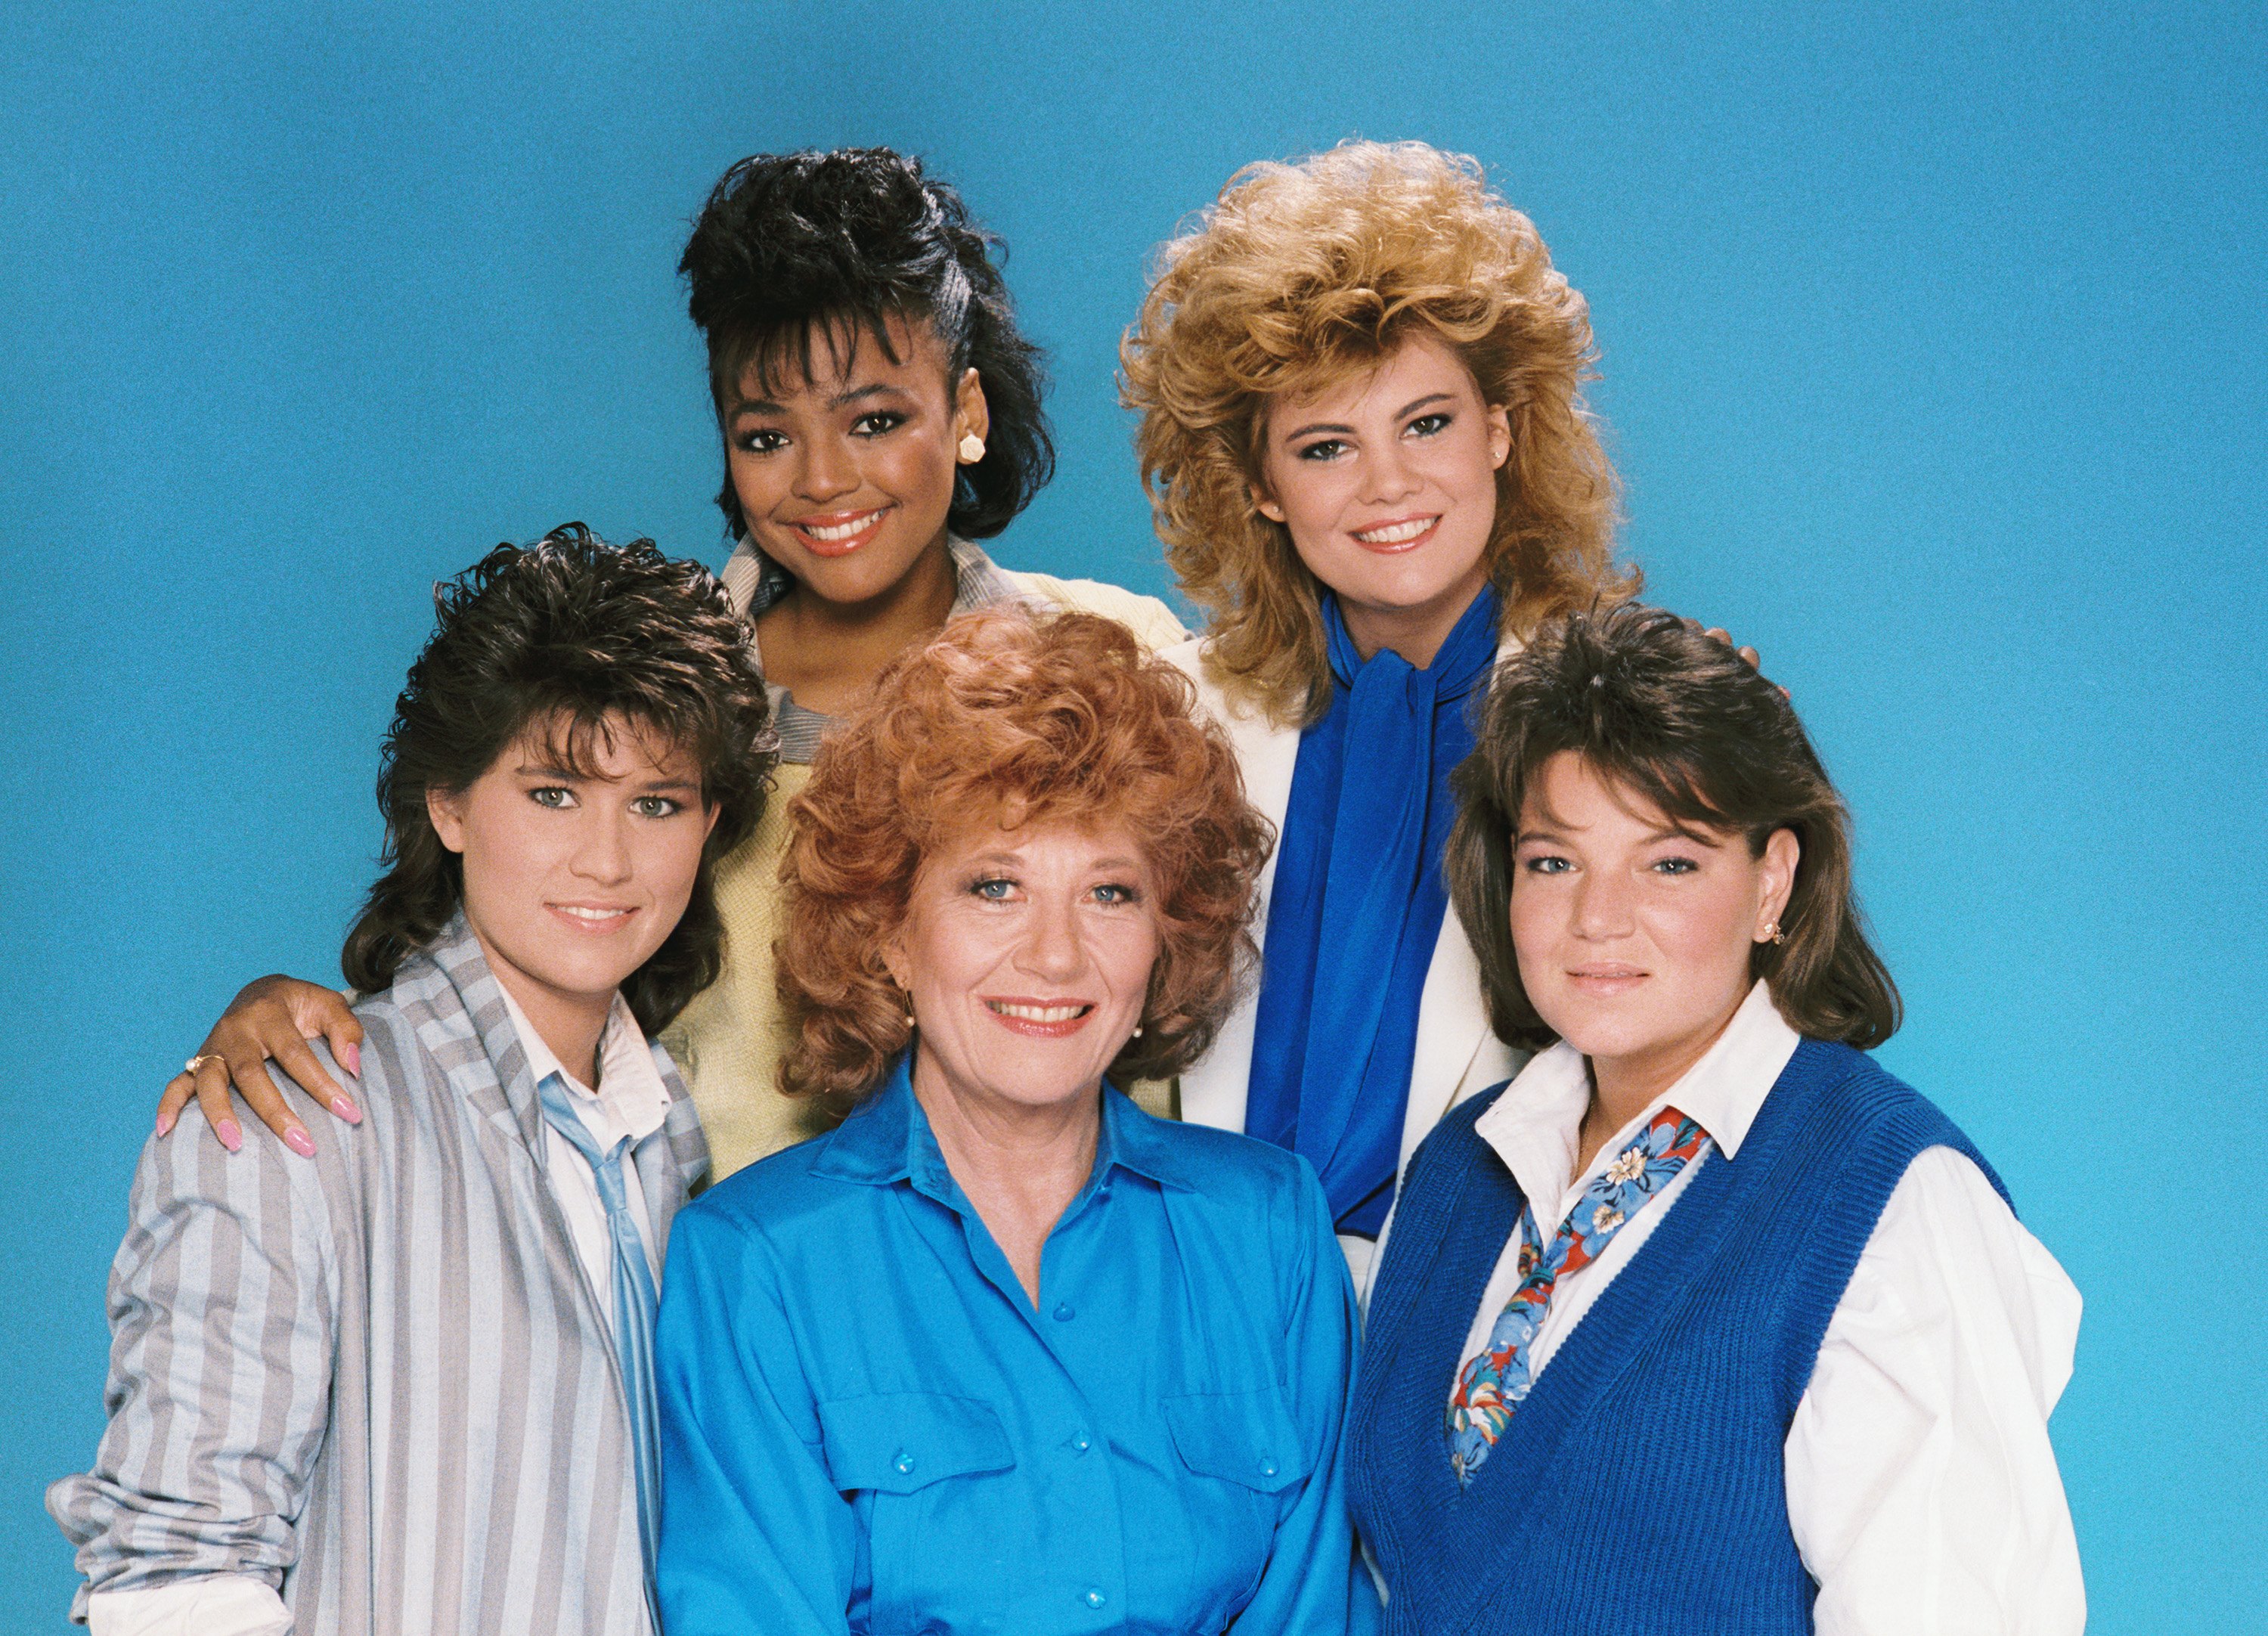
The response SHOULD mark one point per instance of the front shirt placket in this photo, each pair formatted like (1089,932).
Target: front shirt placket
(1069,1444)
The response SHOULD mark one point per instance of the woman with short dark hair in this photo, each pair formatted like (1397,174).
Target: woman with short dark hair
(1704,1322)
(402,1385)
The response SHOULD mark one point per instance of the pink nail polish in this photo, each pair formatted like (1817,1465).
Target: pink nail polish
(300,1143)
(230,1137)
(164,1125)
(352,1061)
(346,1110)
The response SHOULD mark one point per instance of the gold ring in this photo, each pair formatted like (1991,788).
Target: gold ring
(198,1062)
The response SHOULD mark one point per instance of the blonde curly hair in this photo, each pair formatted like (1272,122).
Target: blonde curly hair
(1301,275)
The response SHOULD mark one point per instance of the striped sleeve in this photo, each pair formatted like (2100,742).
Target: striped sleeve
(223,1305)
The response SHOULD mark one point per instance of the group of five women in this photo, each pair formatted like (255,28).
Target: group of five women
(1514,919)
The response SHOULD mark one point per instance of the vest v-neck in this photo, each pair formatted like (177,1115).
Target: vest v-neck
(1649,1294)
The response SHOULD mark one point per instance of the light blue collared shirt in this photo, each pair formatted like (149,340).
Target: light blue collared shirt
(868,1425)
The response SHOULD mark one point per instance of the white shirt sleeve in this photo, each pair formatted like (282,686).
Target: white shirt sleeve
(216,1604)
(1921,1485)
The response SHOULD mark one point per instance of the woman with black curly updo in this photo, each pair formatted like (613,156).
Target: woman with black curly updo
(879,412)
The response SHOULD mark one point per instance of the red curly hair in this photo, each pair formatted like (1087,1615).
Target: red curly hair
(1013,719)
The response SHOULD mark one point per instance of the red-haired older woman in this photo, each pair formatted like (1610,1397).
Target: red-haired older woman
(1003,1348)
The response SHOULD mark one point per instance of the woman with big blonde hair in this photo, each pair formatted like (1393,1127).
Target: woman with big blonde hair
(1365,440)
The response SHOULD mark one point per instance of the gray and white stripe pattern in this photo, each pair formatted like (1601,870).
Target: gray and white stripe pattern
(378,1379)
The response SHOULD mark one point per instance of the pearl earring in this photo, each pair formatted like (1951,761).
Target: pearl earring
(1137,1030)
(972,448)
(1773,935)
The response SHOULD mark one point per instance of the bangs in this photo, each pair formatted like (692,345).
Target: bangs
(782,352)
(1674,787)
(577,738)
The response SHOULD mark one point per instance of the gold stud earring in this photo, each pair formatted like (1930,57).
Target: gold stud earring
(972,448)
(1773,935)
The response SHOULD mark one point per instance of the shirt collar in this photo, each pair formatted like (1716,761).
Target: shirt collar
(629,1092)
(888,1139)
(1534,1126)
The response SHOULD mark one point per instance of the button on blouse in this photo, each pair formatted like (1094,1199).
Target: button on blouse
(868,1426)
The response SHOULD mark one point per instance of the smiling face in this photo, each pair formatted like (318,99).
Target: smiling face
(845,481)
(1387,484)
(1028,953)
(571,880)
(1633,933)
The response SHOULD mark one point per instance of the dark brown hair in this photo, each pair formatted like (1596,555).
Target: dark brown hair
(1012,718)
(561,636)
(1679,720)
(794,245)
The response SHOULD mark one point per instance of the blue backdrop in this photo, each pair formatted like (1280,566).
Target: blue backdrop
(1933,355)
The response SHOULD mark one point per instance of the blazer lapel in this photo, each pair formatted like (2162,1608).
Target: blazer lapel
(1214,1091)
(670,1160)
(1452,1031)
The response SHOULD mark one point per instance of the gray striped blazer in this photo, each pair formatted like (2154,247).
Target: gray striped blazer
(378,1379)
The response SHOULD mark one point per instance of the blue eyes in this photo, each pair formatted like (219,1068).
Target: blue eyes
(1549,864)
(1331,448)
(996,889)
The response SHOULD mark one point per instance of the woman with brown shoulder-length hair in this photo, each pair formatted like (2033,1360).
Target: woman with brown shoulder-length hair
(1364,434)
(1019,875)
(1704,1322)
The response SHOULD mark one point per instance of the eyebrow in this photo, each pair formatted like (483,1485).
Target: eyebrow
(1404,413)
(841,399)
(568,775)
(1016,860)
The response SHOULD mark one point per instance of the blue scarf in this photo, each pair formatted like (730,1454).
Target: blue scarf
(1356,909)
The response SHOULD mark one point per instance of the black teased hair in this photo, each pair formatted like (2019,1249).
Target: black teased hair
(790,245)
(560,635)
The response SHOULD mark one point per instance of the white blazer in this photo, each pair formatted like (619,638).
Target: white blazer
(1457,1055)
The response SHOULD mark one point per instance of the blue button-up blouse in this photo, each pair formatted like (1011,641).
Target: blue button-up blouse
(868,1426)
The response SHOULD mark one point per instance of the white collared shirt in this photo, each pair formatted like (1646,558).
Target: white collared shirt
(630,1101)
(1921,1486)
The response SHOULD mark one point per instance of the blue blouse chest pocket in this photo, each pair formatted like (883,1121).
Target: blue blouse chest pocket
(1243,1452)
(930,1475)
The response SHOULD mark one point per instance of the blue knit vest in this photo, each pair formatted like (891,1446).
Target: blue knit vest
(1641,1487)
